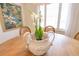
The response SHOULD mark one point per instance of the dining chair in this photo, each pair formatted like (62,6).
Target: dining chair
(76,36)
(49,28)
(23,32)
(24,29)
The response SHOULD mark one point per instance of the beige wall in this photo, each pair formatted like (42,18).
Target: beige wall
(27,19)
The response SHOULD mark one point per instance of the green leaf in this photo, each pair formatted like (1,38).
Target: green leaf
(39,33)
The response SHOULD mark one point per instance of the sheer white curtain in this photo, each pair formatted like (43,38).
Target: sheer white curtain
(72,20)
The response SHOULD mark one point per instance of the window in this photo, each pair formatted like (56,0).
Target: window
(64,15)
(56,14)
(52,15)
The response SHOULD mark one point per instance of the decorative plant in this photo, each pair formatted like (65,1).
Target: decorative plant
(38,31)
(38,28)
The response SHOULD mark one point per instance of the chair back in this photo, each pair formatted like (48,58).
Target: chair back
(24,29)
(49,28)
(76,36)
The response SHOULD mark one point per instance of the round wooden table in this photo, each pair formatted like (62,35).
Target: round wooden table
(62,46)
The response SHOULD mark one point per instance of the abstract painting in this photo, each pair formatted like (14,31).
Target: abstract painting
(11,14)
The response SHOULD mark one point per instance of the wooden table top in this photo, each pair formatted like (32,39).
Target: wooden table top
(62,46)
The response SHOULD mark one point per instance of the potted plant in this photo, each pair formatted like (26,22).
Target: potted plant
(38,41)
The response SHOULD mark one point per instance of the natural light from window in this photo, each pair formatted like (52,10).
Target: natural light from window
(64,15)
(52,15)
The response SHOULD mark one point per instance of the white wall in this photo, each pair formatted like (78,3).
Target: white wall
(4,36)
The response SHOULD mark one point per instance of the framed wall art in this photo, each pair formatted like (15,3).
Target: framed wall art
(11,16)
